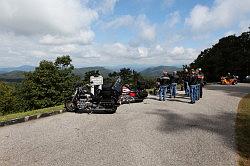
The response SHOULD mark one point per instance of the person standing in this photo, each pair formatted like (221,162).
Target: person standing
(174,78)
(197,84)
(200,81)
(193,84)
(164,81)
(185,80)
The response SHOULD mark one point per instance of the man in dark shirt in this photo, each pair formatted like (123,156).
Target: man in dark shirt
(174,78)
(193,84)
(185,80)
(200,79)
(164,82)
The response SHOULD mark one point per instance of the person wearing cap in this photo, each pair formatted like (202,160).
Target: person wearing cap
(173,84)
(185,80)
(193,86)
(164,81)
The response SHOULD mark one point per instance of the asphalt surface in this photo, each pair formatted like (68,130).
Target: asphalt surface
(158,133)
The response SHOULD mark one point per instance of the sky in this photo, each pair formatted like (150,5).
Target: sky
(116,32)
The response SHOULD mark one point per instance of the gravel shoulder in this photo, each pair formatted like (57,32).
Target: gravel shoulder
(173,132)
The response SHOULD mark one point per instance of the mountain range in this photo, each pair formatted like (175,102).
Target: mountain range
(16,74)
(25,68)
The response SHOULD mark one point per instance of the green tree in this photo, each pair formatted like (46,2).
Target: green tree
(230,55)
(88,74)
(7,99)
(127,75)
(48,85)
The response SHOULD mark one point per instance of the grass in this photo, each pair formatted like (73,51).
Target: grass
(243,131)
(30,113)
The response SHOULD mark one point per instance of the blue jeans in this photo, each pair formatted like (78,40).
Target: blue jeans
(193,94)
(162,92)
(173,89)
(198,92)
(187,88)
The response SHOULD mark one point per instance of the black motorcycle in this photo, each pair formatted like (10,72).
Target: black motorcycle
(105,99)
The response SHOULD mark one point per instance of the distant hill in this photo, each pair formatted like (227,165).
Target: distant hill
(157,71)
(20,68)
(81,71)
(17,76)
(13,76)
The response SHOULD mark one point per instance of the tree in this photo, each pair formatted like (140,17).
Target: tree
(7,99)
(127,75)
(88,74)
(49,84)
(230,55)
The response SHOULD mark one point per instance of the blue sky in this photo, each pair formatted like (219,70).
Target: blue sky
(116,32)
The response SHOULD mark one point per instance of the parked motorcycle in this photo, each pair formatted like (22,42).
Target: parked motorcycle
(105,99)
(130,95)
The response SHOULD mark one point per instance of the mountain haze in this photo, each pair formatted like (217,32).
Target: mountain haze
(157,71)
(20,68)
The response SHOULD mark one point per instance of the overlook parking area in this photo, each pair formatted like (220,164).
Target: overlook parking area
(153,132)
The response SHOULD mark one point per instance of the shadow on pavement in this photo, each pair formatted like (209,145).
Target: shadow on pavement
(89,112)
(177,100)
(221,124)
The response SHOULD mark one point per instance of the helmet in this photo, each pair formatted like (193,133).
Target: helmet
(164,73)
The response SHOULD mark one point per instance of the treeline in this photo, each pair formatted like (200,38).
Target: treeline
(230,55)
(51,83)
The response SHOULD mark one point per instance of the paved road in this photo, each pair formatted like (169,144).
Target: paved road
(149,133)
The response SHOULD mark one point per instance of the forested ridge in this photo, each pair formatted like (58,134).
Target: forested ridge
(230,55)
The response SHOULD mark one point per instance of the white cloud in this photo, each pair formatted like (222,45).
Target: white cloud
(222,14)
(146,31)
(122,21)
(104,6)
(45,16)
(228,33)
(174,18)
(33,30)
(65,49)
(28,52)
(84,37)
(178,51)
(143,51)
(53,21)
(244,25)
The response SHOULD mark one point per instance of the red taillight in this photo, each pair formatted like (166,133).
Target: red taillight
(132,94)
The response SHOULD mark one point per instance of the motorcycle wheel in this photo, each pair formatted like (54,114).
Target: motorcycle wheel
(114,108)
(69,105)
(112,111)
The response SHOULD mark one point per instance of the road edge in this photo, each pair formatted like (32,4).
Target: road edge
(31,117)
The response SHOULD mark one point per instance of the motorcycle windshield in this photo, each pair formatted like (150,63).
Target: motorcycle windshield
(118,85)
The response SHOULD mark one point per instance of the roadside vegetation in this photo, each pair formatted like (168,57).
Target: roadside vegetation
(30,113)
(243,131)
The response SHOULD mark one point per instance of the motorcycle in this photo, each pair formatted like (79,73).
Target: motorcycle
(137,94)
(105,99)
